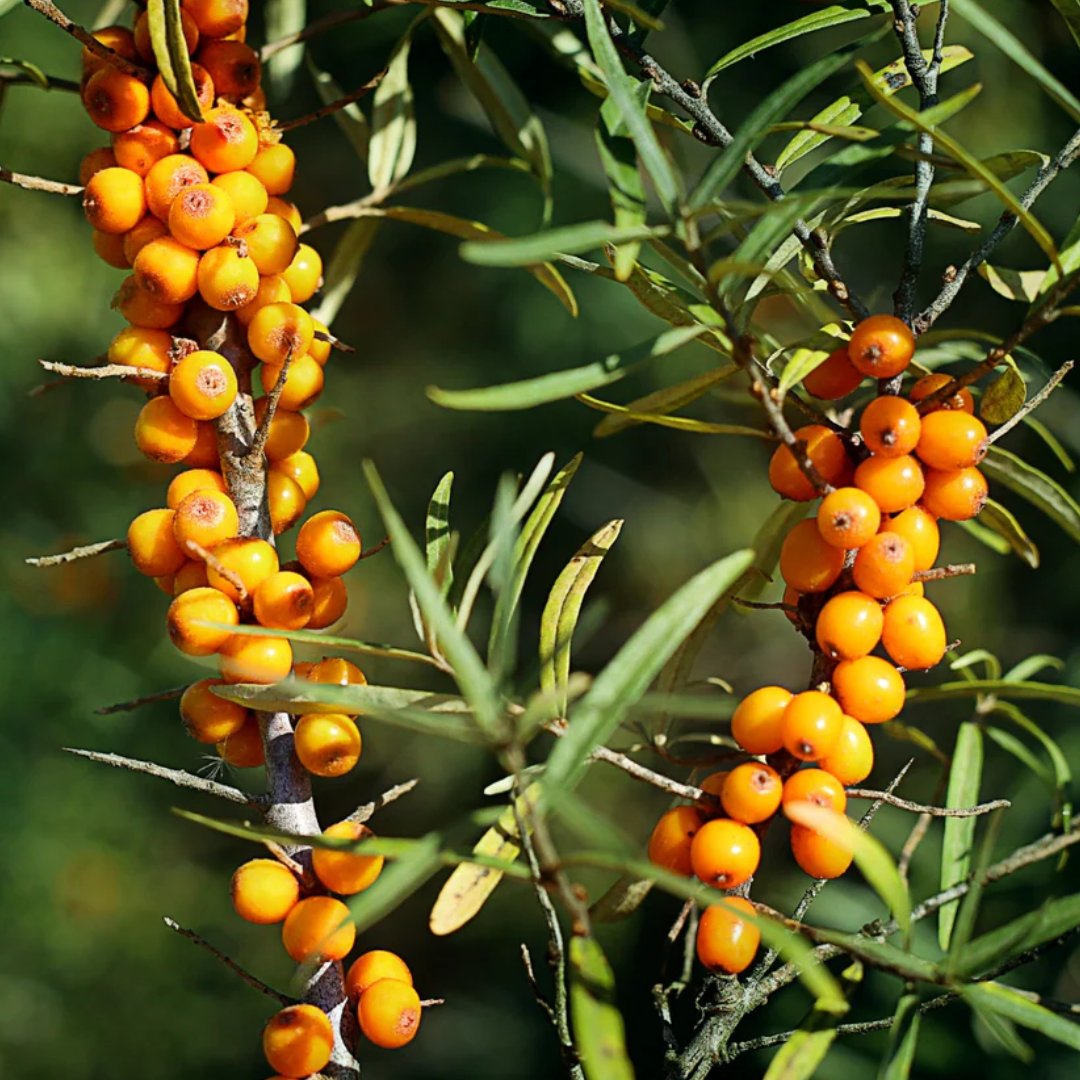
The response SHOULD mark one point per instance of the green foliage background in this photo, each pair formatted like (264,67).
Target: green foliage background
(91,983)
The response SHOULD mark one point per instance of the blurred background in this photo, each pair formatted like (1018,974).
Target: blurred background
(92,985)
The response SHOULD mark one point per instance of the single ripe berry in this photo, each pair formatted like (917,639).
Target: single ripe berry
(248,659)
(930,384)
(192,575)
(264,891)
(951,439)
(302,468)
(342,871)
(811,725)
(726,942)
(373,966)
(725,853)
(136,346)
(219,19)
(203,385)
(883,566)
(147,230)
(851,760)
(331,600)
(869,690)
(201,216)
(141,309)
(298,1041)
(204,454)
(669,845)
(286,500)
(287,210)
(271,242)
(225,141)
(327,744)
(114,200)
(955,494)
(167,108)
(890,426)
(227,279)
(893,483)
(826,452)
(205,518)
(304,274)
(243,749)
(284,601)
(115,100)
(207,717)
(272,290)
(849,626)
(834,378)
(167,270)
(94,162)
(807,562)
(757,724)
(152,545)
(328,544)
(817,855)
(913,635)
(848,518)
(289,431)
(167,178)
(303,382)
(319,926)
(144,145)
(389,1013)
(920,530)
(274,166)
(279,331)
(791,599)
(881,346)
(247,194)
(751,792)
(336,671)
(194,607)
(245,559)
(817,786)
(109,247)
(233,66)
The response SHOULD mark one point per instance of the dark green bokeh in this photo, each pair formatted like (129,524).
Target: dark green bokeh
(91,983)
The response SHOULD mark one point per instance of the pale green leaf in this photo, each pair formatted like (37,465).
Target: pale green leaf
(171,55)
(284,17)
(1015,1006)
(965,778)
(437,535)
(1053,919)
(392,144)
(569,240)
(1022,285)
(351,119)
(903,1038)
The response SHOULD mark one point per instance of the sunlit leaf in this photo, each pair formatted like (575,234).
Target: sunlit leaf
(1023,285)
(171,55)
(393,121)
(570,240)
(1004,397)
(437,534)
(903,1038)
(599,1031)
(284,17)
(626,186)
(1013,1005)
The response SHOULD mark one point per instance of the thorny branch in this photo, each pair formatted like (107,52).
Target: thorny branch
(933,811)
(36,183)
(364,813)
(104,371)
(87,551)
(139,702)
(55,15)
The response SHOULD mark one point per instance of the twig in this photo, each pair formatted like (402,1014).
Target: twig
(231,964)
(197,551)
(139,702)
(262,432)
(105,371)
(376,549)
(87,551)
(758,605)
(940,573)
(538,993)
(933,811)
(1033,403)
(36,183)
(649,776)
(364,813)
(54,14)
(23,78)
(334,106)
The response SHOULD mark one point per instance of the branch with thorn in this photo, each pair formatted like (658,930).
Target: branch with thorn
(37,183)
(86,551)
(85,38)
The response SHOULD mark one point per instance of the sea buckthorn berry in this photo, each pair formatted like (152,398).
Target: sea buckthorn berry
(345,872)
(207,518)
(881,346)
(328,744)
(165,584)
(247,194)
(336,671)
(167,108)
(920,530)
(893,483)
(319,926)
(725,853)
(142,146)
(955,494)
(193,607)
(141,309)
(167,270)
(192,575)
(751,792)
(320,348)
(136,346)
(114,200)
(278,330)
(201,216)
(757,724)
(852,758)
(951,439)
(114,100)
(225,140)
(148,229)
(914,588)
(250,560)
(328,544)
(218,19)
(817,855)
(929,384)
(833,378)
(300,467)
(890,426)
(163,433)
(203,385)
(191,480)
(286,501)
(207,717)
(110,248)
(271,242)
(167,178)
(204,455)
(287,210)
(118,38)
(284,601)
(243,749)
(303,383)
(914,635)
(289,431)
(94,162)
(227,279)
(827,454)
(152,546)
(669,845)
(817,786)
(233,66)
(302,668)
(248,659)
(807,562)
(883,567)
(849,626)
(811,725)
(373,966)
(869,690)
(304,274)
(389,1013)
(331,600)
(791,598)
(264,891)
(274,166)
(725,941)
(298,1041)
(847,518)
(145,47)
(272,290)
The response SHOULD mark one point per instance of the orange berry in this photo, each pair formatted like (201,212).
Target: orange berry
(304,274)
(389,1013)
(920,530)
(114,200)
(827,454)
(286,501)
(201,216)
(303,382)
(243,749)
(203,385)
(817,855)
(274,166)
(849,626)
(135,239)
(833,378)
(726,942)
(163,433)
(145,48)
(913,635)
(201,605)
(890,426)
(811,725)
(141,309)
(373,966)
(951,439)
(893,483)
(227,279)
(191,480)
(114,100)
(94,162)
(110,248)
(336,671)
(300,467)
(791,597)
(319,926)
(204,454)
(284,601)
(955,494)
(331,600)
(205,518)
(725,853)
(817,786)
(264,891)
(142,146)
(152,546)
(271,242)
(298,1041)
(167,178)
(289,431)
(117,38)
(852,758)
(320,349)
(302,668)
(869,690)
(226,140)
(272,290)
(327,744)
(207,717)
(881,346)
(247,194)
(751,792)
(279,330)
(807,562)
(233,66)
(218,19)
(167,108)
(250,560)
(883,567)
(847,518)
(287,210)
(343,871)
(247,659)
(167,270)
(669,845)
(928,384)
(192,575)
(328,544)
(757,724)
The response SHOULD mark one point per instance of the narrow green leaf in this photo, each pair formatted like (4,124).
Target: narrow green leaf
(881,954)
(1052,920)
(299,696)
(344,268)
(1012,745)
(570,240)
(965,777)
(351,119)
(1032,665)
(1069,10)
(964,925)
(392,144)
(986,536)
(284,17)
(437,535)
(903,1038)
(801,364)
(1020,1009)
(680,423)
(1001,521)
(599,1031)
(1002,1031)
(1051,441)
(621,900)
(35,73)
(1035,486)
(171,55)
(397,882)
(626,186)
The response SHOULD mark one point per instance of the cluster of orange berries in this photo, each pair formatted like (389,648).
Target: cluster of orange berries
(851,585)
